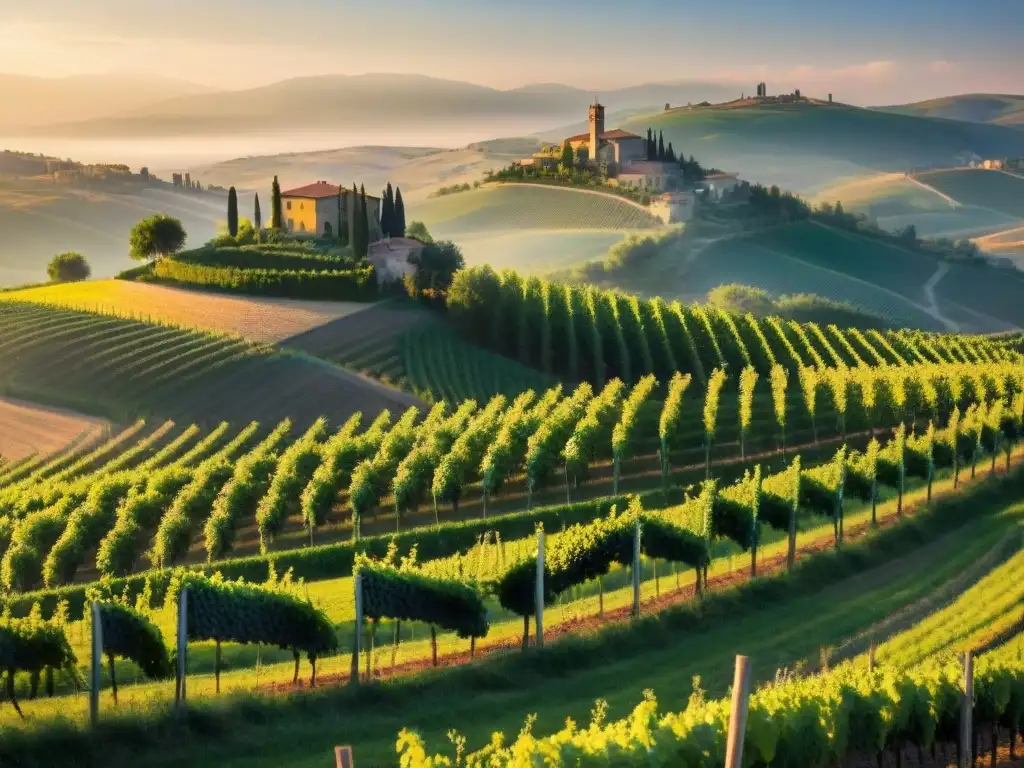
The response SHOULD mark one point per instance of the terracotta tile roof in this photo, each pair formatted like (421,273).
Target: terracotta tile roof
(319,190)
(618,133)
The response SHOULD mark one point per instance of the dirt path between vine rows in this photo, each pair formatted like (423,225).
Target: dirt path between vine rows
(675,596)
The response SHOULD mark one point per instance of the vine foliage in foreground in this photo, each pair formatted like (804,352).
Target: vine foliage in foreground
(130,635)
(234,611)
(406,594)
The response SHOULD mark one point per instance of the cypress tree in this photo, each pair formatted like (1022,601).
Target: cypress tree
(354,224)
(661,146)
(275,205)
(387,212)
(364,221)
(650,140)
(232,212)
(257,217)
(399,224)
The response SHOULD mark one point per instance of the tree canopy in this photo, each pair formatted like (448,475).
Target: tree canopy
(68,268)
(156,236)
(417,230)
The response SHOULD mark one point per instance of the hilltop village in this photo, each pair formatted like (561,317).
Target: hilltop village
(622,160)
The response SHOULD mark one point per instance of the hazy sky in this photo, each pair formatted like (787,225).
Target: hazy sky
(869,51)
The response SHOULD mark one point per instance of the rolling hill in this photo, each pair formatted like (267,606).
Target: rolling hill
(531,228)
(896,200)
(999,191)
(1000,109)
(114,366)
(40,219)
(807,257)
(804,147)
(419,171)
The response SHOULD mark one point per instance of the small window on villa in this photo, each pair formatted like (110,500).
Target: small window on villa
(289,204)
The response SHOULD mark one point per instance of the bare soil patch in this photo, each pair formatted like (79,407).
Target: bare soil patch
(26,428)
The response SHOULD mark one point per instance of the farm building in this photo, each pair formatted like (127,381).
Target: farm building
(317,208)
(394,258)
(673,207)
(719,184)
(648,175)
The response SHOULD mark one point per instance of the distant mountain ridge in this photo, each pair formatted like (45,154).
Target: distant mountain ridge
(34,101)
(996,108)
(343,102)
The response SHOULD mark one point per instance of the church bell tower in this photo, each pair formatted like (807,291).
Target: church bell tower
(596,128)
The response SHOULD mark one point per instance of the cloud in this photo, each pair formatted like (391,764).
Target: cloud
(868,71)
(941,67)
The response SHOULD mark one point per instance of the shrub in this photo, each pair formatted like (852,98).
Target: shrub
(68,267)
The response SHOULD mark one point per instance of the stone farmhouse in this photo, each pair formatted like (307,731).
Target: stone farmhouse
(318,208)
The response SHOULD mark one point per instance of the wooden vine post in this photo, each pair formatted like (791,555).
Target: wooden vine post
(182,645)
(539,593)
(791,550)
(738,713)
(358,585)
(96,666)
(636,571)
(965,747)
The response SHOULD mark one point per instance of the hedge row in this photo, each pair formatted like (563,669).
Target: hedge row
(351,285)
(336,560)
(264,257)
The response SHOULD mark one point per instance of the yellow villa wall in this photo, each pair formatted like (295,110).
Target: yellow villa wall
(302,214)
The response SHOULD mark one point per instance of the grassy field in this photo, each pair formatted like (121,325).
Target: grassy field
(256,319)
(895,201)
(40,219)
(1001,109)
(779,624)
(519,206)
(538,251)
(529,228)
(975,186)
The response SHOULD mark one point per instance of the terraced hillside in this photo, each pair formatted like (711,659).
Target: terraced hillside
(411,349)
(257,319)
(532,228)
(101,363)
